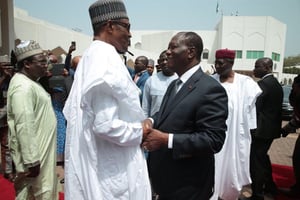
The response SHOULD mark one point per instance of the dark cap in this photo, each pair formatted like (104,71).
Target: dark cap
(103,10)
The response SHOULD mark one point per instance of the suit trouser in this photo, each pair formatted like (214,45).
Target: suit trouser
(296,163)
(188,193)
(260,166)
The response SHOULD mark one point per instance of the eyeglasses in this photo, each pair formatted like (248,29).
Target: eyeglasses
(123,24)
(40,62)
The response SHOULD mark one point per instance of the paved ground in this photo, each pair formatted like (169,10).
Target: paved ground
(282,149)
(280,153)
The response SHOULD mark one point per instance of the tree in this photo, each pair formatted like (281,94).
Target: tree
(291,61)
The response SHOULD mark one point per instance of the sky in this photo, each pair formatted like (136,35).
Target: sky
(172,14)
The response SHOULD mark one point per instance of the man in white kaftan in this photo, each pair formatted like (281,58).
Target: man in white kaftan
(32,128)
(232,162)
(103,157)
(156,87)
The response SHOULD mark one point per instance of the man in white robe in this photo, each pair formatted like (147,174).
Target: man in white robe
(232,162)
(103,157)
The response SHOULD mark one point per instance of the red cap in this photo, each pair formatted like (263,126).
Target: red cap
(225,53)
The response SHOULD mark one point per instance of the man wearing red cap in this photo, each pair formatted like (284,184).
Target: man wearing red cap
(232,162)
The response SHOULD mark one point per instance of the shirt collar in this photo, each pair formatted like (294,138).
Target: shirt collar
(184,77)
(269,74)
(141,72)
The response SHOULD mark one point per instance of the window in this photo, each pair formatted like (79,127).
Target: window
(205,54)
(238,54)
(275,56)
(255,54)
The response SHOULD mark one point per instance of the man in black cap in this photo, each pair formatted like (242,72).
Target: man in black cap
(103,158)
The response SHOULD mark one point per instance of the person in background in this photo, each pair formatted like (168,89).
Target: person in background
(68,60)
(268,110)
(156,86)
(105,122)
(32,126)
(189,127)
(140,73)
(75,62)
(59,92)
(232,162)
(124,59)
(71,63)
(150,67)
(290,127)
(158,69)
(6,73)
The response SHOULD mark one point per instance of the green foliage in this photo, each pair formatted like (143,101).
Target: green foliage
(289,64)
(291,70)
(291,61)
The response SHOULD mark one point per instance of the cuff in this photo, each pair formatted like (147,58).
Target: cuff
(32,164)
(170,141)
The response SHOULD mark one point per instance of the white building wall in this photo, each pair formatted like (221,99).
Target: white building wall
(253,33)
(48,35)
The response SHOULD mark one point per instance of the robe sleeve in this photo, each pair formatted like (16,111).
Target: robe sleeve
(253,91)
(26,127)
(109,123)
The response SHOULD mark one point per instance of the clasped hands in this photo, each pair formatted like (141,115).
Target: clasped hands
(153,139)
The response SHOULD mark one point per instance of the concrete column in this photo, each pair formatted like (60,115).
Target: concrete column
(7,33)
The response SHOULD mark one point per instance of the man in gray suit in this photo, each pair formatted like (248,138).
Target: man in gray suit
(189,127)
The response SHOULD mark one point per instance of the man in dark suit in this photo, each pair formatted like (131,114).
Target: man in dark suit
(140,73)
(290,127)
(189,127)
(268,109)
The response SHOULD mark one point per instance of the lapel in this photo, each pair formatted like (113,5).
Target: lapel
(142,78)
(168,107)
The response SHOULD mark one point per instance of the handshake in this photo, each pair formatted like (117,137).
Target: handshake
(153,139)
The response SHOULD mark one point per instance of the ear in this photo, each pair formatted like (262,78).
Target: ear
(109,26)
(191,52)
(26,64)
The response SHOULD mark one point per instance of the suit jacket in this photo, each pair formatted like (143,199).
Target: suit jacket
(141,82)
(268,109)
(196,117)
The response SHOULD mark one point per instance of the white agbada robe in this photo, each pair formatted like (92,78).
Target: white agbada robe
(232,162)
(103,157)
